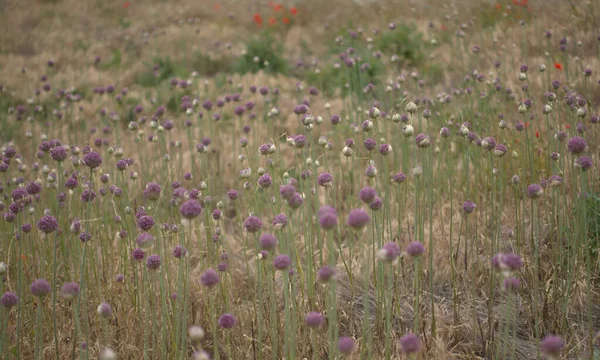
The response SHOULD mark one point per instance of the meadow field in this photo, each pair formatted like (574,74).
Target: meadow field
(339,179)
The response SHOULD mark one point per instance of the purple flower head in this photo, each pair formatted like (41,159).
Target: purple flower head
(280,221)
(422,140)
(10,152)
(389,252)
(209,278)
(267,241)
(296,201)
(325,179)
(508,261)
(104,310)
(325,274)
(468,206)
(335,119)
(40,288)
(410,344)
(47,224)
(9,299)
(367,194)
(314,319)
(120,278)
(346,345)
(145,222)
(376,204)
(153,262)
(328,218)
(415,249)
(534,191)
(264,181)
(577,145)
(287,191)
(370,144)
(232,195)
(122,165)
(300,109)
(58,153)
(385,149)
(299,141)
(584,163)
(92,159)
(33,188)
(358,219)
(145,240)
(85,237)
(399,177)
(253,224)
(179,251)
(282,262)
(18,194)
(512,284)
(227,321)
(222,266)
(138,254)
(190,209)
(26,228)
(552,345)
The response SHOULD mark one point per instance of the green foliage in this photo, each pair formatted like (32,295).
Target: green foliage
(265,48)
(166,70)
(593,213)
(114,61)
(406,41)
(206,66)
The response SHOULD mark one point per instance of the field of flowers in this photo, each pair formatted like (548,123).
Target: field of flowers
(300,180)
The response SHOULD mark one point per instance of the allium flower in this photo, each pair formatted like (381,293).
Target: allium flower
(40,288)
(58,153)
(47,224)
(370,144)
(138,254)
(314,319)
(92,159)
(253,224)
(196,333)
(33,188)
(108,354)
(104,310)
(145,222)
(282,262)
(385,149)
(358,219)
(9,299)
(153,262)
(264,181)
(227,321)
(577,145)
(422,140)
(500,150)
(325,179)
(346,345)
(71,183)
(209,278)
(468,206)
(145,240)
(120,278)
(415,249)
(190,209)
(389,252)
(325,274)
(280,221)
(512,284)
(232,195)
(88,195)
(267,241)
(534,191)
(69,290)
(328,218)
(399,177)
(410,344)
(552,345)
(584,163)
(296,201)
(287,191)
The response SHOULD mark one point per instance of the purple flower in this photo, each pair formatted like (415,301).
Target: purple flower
(584,163)
(58,153)
(40,288)
(468,206)
(508,261)
(232,194)
(296,201)
(399,177)
(47,224)
(145,222)
(314,319)
(335,119)
(512,284)
(328,218)
(410,344)
(209,278)
(287,191)
(138,254)
(104,310)
(370,144)
(534,191)
(367,194)
(325,274)
(153,262)
(145,240)
(179,251)
(280,221)
(282,262)
(9,299)
(120,278)
(358,219)
(325,179)
(92,159)
(190,209)
(577,145)
(152,191)
(253,224)
(422,140)
(552,345)
(264,181)
(267,241)
(389,252)
(227,321)
(33,188)
(415,249)
(346,345)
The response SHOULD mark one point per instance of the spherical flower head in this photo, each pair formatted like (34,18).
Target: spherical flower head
(410,344)
(71,183)
(389,252)
(534,191)
(468,206)
(190,209)
(138,254)
(415,249)
(196,333)
(325,179)
(264,181)
(370,144)
(328,218)
(422,140)
(511,284)
(108,354)
(500,150)
(399,177)
(33,188)
(253,224)
(9,299)
(280,221)
(267,241)
(92,160)
(120,278)
(19,194)
(584,163)
(325,274)
(296,201)
(227,321)
(47,224)
(314,319)
(26,228)
(552,345)
(40,288)
(69,290)
(209,278)
(58,153)
(145,240)
(358,219)
(299,141)
(335,119)
(376,204)
(232,195)
(287,191)
(282,262)
(104,310)
(88,195)
(145,222)
(561,136)
(577,145)
(153,262)
(385,149)
(508,261)
(179,251)
(346,345)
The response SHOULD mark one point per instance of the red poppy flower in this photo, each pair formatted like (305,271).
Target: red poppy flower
(277,7)
(286,20)
(568,126)
(126,5)
(217,7)
(272,21)
(537,134)
(498,6)
(294,11)
(258,19)
(558,66)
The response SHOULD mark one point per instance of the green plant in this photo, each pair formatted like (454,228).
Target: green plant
(406,41)
(262,53)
